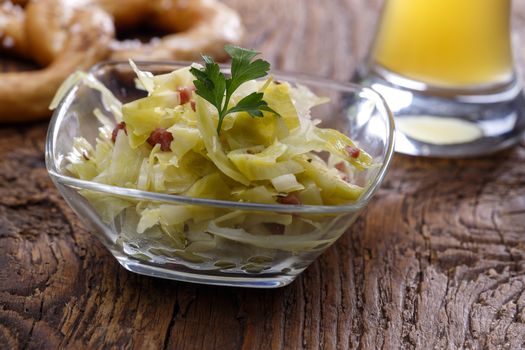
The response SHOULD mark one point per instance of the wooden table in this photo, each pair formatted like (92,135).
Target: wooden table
(437,260)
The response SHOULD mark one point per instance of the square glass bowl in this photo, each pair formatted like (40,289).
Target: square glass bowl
(231,243)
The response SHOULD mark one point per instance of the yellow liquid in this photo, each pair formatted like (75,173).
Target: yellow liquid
(438,130)
(450,43)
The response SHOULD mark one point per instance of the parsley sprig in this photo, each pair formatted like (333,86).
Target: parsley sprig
(212,85)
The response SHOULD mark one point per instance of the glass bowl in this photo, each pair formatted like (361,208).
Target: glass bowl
(230,253)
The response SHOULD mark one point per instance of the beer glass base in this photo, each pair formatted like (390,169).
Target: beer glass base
(451,125)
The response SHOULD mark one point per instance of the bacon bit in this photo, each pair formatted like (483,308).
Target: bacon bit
(353,151)
(289,199)
(340,166)
(193,106)
(120,126)
(276,229)
(161,137)
(185,94)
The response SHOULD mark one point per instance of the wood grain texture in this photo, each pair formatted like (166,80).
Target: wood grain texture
(436,261)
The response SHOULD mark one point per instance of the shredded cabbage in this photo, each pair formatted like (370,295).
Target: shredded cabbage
(167,142)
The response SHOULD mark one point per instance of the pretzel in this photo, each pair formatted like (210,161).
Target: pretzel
(79,36)
(193,27)
(66,35)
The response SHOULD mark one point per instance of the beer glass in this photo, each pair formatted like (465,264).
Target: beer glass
(445,67)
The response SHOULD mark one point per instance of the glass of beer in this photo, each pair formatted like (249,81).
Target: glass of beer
(446,69)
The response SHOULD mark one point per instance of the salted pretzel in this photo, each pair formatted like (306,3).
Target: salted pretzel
(81,36)
(66,35)
(192,26)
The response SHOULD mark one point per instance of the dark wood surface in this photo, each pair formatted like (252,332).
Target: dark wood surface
(436,261)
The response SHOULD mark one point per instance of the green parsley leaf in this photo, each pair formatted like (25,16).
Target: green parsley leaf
(215,88)
(210,83)
(242,68)
(252,104)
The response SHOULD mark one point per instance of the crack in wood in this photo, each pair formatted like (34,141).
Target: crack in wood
(171,325)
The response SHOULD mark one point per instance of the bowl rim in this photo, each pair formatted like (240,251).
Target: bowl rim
(58,177)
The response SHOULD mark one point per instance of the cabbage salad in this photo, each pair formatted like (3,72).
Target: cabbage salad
(241,139)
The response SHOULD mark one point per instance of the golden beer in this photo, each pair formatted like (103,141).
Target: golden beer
(446,43)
